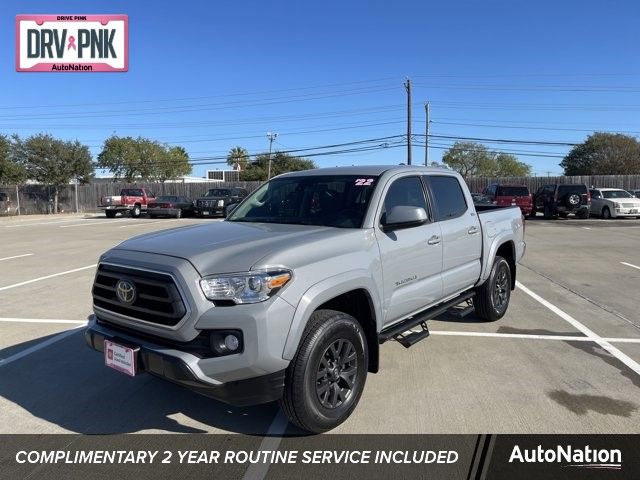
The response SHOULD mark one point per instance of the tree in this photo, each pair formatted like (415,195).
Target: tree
(257,170)
(474,159)
(468,158)
(11,171)
(604,154)
(130,158)
(54,162)
(174,164)
(238,158)
(507,165)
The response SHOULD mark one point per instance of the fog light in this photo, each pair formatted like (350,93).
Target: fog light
(231,342)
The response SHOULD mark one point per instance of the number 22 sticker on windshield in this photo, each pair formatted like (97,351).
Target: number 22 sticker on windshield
(364,182)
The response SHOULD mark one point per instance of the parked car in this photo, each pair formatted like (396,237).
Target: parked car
(505,195)
(635,193)
(217,200)
(613,203)
(6,207)
(561,200)
(170,206)
(132,200)
(289,298)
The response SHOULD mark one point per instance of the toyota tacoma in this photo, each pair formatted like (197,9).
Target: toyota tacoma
(291,296)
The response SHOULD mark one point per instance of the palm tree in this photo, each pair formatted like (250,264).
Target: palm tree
(238,158)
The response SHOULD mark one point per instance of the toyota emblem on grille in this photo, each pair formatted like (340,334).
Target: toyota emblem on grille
(125,291)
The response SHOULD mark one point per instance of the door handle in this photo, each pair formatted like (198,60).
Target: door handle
(472,230)
(435,240)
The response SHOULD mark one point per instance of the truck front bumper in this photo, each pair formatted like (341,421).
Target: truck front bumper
(177,367)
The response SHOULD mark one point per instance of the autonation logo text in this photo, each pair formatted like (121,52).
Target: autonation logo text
(570,456)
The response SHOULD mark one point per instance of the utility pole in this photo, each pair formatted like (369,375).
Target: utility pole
(271,137)
(426,135)
(407,86)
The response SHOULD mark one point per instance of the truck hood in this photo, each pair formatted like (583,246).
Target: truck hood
(227,247)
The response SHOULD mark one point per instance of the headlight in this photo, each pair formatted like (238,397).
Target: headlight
(617,205)
(221,203)
(249,287)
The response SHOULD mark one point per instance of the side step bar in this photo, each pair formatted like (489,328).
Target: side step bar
(396,331)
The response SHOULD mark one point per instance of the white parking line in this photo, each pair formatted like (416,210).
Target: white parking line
(530,336)
(630,265)
(47,277)
(628,361)
(91,222)
(151,222)
(270,442)
(41,320)
(51,222)
(16,256)
(28,351)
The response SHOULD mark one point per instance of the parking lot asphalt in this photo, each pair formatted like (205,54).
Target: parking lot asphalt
(564,359)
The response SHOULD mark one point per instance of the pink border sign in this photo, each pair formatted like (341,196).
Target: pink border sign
(95,66)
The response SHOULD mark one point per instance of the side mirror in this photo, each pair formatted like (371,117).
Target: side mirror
(404,217)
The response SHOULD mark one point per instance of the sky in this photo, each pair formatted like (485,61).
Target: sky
(210,75)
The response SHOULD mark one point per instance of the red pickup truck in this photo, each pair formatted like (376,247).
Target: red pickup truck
(132,200)
(505,195)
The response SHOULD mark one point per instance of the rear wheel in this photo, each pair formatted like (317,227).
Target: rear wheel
(110,213)
(563,214)
(548,213)
(326,378)
(135,211)
(492,297)
(606,213)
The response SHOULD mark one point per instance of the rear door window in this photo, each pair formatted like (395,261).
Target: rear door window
(448,197)
(571,189)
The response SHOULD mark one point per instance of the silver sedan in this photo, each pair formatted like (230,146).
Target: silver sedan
(613,203)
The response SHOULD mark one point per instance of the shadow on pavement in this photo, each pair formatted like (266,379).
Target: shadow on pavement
(67,384)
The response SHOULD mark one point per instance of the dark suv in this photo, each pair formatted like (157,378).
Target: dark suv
(562,199)
(216,201)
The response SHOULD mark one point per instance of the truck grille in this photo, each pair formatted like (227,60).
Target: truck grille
(156,300)
(207,203)
(628,205)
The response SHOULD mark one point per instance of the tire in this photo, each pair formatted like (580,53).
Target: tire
(533,213)
(606,213)
(571,200)
(548,213)
(110,213)
(136,211)
(179,214)
(492,297)
(224,212)
(563,214)
(312,401)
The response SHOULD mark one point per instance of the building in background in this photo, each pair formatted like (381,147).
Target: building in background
(223,175)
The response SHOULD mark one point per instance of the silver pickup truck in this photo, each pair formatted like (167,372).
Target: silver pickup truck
(290,297)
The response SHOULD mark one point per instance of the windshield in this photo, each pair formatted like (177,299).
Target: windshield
(218,192)
(332,201)
(616,194)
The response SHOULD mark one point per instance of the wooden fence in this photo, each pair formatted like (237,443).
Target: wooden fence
(39,198)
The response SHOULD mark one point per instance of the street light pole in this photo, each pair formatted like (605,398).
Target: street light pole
(271,137)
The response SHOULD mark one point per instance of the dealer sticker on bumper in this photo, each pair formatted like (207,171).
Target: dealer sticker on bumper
(120,358)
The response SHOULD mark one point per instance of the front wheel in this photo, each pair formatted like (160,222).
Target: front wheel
(492,297)
(606,213)
(326,378)
(110,213)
